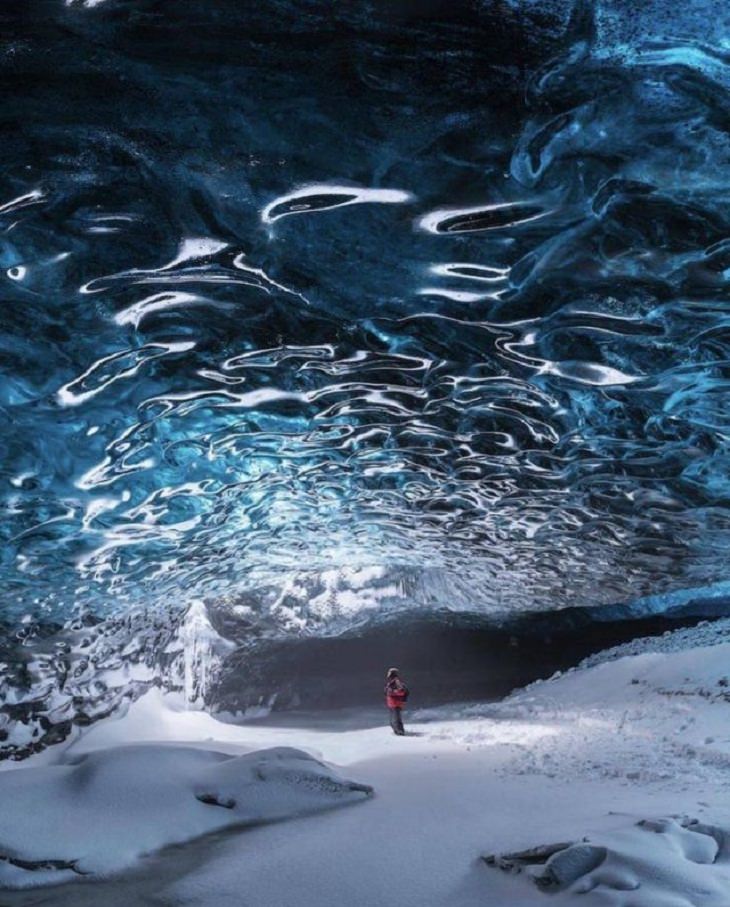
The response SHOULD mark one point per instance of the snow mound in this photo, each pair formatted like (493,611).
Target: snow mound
(686,671)
(706,633)
(657,718)
(673,862)
(98,813)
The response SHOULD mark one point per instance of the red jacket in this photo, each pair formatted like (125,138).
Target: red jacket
(396,693)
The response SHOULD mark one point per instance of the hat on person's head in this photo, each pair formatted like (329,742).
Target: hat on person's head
(392,672)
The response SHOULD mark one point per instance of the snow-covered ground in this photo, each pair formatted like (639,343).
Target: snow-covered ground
(98,813)
(631,738)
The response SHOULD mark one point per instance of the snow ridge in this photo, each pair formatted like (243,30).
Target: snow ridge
(706,633)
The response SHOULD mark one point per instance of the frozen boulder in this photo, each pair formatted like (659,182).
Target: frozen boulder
(656,861)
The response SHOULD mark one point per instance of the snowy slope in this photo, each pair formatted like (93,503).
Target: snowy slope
(626,753)
(706,633)
(655,716)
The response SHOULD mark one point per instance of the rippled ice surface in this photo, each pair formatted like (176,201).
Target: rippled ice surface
(296,286)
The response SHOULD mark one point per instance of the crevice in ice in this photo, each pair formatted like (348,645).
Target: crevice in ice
(216,800)
(42,865)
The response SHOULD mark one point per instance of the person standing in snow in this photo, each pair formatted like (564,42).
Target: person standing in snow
(396,693)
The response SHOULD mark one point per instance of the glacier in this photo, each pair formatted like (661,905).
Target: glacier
(337,336)
(316,318)
(438,291)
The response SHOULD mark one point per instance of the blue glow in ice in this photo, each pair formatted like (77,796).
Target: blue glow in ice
(284,291)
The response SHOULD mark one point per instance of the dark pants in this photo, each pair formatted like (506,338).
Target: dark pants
(396,721)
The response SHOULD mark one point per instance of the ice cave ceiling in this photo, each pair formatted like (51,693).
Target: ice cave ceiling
(431,292)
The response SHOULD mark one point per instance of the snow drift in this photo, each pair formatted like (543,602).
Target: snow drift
(673,862)
(98,813)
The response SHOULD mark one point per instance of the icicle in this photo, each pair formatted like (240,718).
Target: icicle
(197,636)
